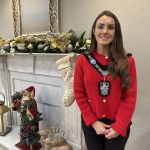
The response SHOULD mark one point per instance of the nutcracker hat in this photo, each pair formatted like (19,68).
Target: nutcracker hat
(31,90)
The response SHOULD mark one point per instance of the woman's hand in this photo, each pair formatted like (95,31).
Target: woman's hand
(101,128)
(112,134)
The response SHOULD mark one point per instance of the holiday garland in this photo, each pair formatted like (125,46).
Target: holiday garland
(46,43)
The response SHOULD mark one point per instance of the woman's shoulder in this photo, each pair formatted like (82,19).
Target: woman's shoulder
(130,58)
(81,58)
(129,54)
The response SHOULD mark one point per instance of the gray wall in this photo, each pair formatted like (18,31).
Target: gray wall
(6,19)
(134,16)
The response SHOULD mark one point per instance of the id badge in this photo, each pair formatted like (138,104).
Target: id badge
(104,88)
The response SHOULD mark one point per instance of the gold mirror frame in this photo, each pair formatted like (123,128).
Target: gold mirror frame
(53,17)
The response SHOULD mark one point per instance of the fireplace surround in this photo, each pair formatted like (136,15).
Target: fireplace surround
(20,71)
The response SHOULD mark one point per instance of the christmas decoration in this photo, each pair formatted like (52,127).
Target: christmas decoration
(78,44)
(24,103)
(52,138)
(5,119)
(66,67)
(45,43)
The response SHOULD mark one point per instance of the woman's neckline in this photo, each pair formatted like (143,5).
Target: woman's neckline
(99,54)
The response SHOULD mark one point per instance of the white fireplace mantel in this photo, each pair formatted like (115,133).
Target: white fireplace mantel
(19,71)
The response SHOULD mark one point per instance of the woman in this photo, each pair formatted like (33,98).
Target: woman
(105,86)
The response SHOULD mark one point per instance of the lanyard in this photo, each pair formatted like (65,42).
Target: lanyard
(103,86)
(99,67)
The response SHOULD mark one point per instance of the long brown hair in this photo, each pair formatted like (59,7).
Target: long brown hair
(118,61)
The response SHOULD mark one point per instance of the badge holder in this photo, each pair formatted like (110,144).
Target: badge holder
(103,86)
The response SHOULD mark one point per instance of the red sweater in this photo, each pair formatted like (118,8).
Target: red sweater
(118,105)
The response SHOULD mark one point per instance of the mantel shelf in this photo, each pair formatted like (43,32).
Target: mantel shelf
(35,54)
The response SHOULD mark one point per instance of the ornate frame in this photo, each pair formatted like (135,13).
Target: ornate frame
(53,17)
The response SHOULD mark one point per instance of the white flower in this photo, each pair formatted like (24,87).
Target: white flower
(77,44)
(12,50)
(3,51)
(83,48)
(13,43)
(30,46)
(88,41)
(21,46)
(46,48)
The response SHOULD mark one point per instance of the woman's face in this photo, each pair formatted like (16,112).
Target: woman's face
(104,30)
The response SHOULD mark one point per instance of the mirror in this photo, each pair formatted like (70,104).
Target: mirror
(35,16)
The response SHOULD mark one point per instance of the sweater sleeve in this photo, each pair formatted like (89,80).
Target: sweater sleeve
(127,105)
(80,93)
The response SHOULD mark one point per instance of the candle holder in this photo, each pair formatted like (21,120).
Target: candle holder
(5,117)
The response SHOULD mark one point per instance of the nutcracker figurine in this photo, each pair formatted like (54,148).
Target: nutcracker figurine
(25,103)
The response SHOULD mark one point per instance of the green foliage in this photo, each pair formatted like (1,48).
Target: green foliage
(78,43)
(73,38)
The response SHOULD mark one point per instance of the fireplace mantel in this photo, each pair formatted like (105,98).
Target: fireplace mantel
(20,70)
